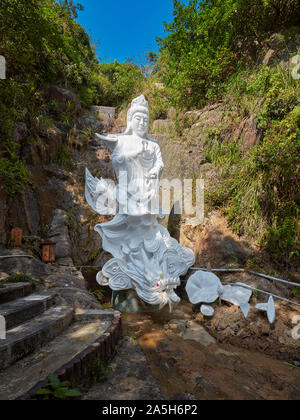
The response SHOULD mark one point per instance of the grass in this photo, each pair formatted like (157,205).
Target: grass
(20,278)
(257,189)
(106,305)
(64,158)
(291,365)
(100,373)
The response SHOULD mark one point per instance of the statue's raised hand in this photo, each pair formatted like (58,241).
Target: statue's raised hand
(110,141)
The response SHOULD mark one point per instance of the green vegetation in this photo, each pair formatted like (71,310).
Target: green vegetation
(174,224)
(296,292)
(100,373)
(106,305)
(99,294)
(57,390)
(64,157)
(20,278)
(291,365)
(257,188)
(44,45)
(121,81)
(209,40)
(211,53)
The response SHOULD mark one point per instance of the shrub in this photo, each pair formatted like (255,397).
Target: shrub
(258,188)
(44,44)
(208,41)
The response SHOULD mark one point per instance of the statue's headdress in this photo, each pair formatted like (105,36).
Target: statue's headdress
(139,104)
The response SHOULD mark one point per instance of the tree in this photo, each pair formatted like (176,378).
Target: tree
(201,45)
(72,7)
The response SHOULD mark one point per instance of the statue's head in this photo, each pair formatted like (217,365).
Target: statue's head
(138,117)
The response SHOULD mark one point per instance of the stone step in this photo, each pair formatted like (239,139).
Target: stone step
(22,310)
(71,356)
(12,291)
(28,337)
(131,377)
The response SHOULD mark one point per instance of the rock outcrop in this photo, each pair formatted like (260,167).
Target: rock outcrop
(64,97)
(59,234)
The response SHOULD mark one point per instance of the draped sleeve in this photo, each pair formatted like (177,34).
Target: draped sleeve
(159,164)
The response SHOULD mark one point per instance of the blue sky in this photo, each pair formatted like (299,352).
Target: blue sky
(125,28)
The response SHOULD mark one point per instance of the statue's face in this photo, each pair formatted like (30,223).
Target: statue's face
(140,124)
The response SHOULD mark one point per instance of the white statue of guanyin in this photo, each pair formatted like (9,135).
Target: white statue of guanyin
(145,257)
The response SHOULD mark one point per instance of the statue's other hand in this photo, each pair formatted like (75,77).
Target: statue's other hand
(109,137)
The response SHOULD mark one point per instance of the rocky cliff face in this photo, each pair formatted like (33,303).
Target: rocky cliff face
(183,140)
(54,205)
(58,157)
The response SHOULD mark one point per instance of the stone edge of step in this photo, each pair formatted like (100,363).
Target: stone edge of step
(77,371)
(40,323)
(46,331)
(47,301)
(16,290)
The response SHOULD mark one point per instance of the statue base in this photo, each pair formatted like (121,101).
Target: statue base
(129,301)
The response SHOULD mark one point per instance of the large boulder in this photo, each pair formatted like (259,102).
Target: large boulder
(214,242)
(70,284)
(248,132)
(59,233)
(279,47)
(162,126)
(63,97)
(31,211)
(17,265)
(15,215)
(45,147)
(20,132)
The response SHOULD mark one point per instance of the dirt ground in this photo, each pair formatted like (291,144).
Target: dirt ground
(186,355)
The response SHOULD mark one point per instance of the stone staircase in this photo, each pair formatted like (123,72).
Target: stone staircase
(24,309)
(14,291)
(45,335)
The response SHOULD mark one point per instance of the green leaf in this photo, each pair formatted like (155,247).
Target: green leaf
(60,393)
(54,381)
(73,393)
(290,365)
(65,384)
(296,291)
(44,391)
(52,378)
